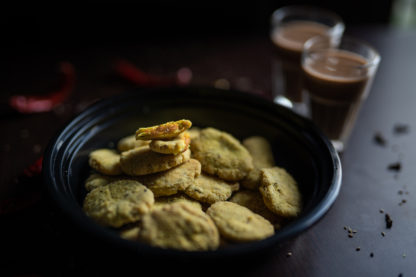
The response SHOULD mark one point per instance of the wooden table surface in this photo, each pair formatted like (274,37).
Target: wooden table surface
(38,243)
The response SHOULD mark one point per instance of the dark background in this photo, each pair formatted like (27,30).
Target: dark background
(40,33)
(69,23)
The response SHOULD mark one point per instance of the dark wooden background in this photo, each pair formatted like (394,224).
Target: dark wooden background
(37,241)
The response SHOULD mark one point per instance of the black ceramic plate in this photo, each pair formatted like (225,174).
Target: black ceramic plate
(297,146)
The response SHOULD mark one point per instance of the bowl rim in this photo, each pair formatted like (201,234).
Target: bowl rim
(299,225)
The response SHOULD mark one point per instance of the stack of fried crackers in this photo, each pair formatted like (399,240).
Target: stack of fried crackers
(190,189)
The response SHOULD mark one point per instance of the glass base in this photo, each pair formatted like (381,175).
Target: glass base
(338,145)
(298,107)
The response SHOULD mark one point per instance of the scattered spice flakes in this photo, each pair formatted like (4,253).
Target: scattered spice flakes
(402,202)
(383,234)
(379,139)
(397,166)
(400,274)
(381,211)
(351,231)
(289,254)
(400,129)
(358,249)
(371,255)
(389,221)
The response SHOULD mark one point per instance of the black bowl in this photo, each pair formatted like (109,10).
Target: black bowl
(297,145)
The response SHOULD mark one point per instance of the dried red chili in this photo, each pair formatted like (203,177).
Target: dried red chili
(135,75)
(46,102)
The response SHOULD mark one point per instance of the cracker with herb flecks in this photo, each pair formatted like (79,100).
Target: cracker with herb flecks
(105,161)
(210,189)
(143,161)
(280,192)
(238,223)
(222,155)
(180,226)
(174,180)
(173,146)
(118,203)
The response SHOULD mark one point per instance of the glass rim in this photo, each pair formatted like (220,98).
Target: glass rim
(280,13)
(372,61)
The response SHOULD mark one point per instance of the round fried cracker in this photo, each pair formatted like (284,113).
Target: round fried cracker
(253,200)
(238,223)
(173,180)
(173,146)
(262,155)
(222,155)
(105,161)
(280,192)
(130,142)
(261,151)
(96,180)
(252,180)
(194,132)
(166,200)
(210,189)
(180,226)
(143,161)
(118,203)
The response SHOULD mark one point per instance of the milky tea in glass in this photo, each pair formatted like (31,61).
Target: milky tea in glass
(291,27)
(337,79)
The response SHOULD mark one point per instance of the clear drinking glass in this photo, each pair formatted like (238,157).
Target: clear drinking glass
(337,79)
(291,26)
